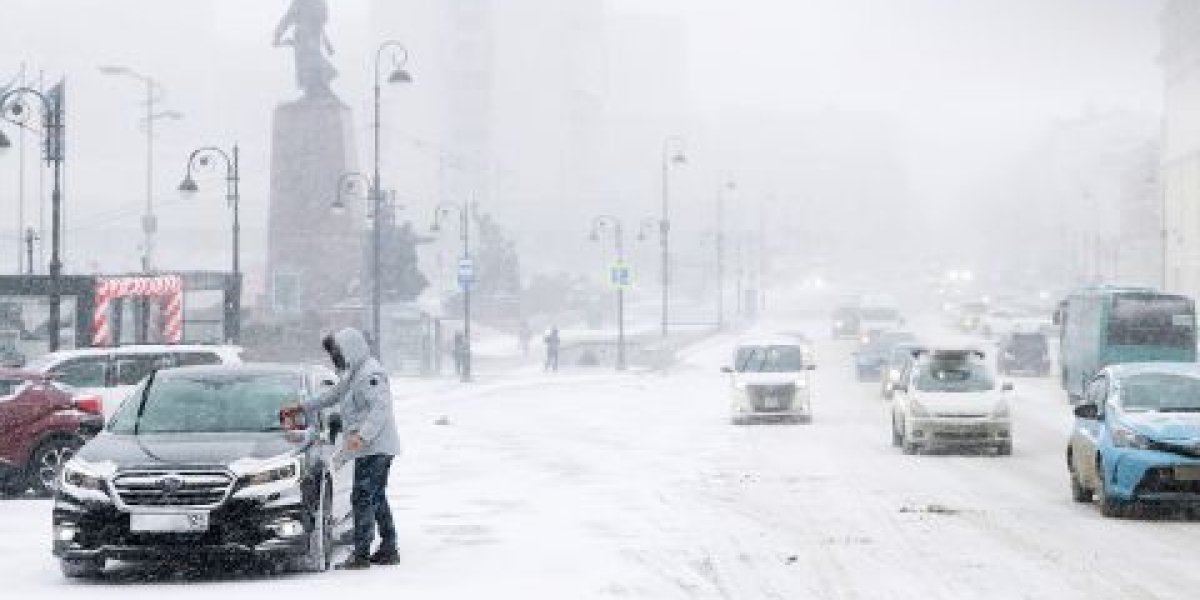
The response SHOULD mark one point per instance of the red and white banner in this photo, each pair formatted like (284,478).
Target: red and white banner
(168,289)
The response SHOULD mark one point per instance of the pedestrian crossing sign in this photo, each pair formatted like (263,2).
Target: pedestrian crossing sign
(621,275)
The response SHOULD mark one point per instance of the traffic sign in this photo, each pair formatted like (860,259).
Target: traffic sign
(466,272)
(620,275)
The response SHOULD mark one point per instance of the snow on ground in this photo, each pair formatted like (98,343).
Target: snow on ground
(589,484)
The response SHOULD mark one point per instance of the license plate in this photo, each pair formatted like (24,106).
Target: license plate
(191,522)
(1187,472)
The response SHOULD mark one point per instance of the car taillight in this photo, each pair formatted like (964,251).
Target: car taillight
(89,404)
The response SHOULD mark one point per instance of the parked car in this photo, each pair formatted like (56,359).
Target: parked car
(1025,352)
(896,366)
(950,398)
(42,424)
(846,322)
(1137,438)
(769,380)
(874,351)
(113,372)
(198,462)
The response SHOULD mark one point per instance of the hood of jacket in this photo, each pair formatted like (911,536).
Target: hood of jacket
(353,346)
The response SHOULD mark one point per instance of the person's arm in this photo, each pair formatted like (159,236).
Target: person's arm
(330,396)
(379,400)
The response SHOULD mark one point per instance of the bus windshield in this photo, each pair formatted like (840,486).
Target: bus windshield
(1152,320)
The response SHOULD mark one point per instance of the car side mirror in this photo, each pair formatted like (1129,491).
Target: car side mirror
(1087,411)
(726,369)
(1006,387)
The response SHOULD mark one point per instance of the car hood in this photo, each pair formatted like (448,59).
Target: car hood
(1164,426)
(960,403)
(768,378)
(208,449)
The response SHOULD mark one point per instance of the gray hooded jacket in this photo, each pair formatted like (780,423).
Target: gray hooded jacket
(364,395)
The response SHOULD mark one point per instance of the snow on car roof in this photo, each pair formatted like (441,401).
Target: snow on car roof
(1174,368)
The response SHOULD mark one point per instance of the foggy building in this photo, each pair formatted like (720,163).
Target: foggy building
(1180,61)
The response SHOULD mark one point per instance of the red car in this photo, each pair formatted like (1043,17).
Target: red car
(42,424)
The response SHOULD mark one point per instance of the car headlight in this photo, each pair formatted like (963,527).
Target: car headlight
(81,480)
(288,470)
(1124,437)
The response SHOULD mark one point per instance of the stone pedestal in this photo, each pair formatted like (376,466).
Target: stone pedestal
(314,253)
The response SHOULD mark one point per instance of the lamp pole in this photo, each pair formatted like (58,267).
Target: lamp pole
(203,158)
(599,223)
(727,185)
(441,212)
(31,236)
(672,153)
(154,96)
(13,103)
(398,75)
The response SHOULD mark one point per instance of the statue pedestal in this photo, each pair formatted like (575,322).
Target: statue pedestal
(314,254)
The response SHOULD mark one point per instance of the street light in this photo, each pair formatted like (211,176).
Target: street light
(399,74)
(466,268)
(12,106)
(727,185)
(154,96)
(204,158)
(349,183)
(599,223)
(672,154)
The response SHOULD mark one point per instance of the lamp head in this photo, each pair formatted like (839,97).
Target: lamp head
(400,75)
(188,185)
(679,158)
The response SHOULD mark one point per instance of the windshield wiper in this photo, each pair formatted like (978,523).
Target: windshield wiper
(137,420)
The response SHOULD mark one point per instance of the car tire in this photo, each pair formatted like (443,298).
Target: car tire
(320,538)
(88,568)
(737,420)
(1078,492)
(1004,449)
(1109,507)
(46,462)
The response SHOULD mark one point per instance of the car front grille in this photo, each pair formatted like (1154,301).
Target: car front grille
(960,435)
(173,488)
(772,398)
(1162,480)
(947,415)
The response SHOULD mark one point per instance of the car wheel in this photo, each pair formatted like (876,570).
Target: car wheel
(47,462)
(736,420)
(82,569)
(320,537)
(1109,506)
(1078,492)
(1004,449)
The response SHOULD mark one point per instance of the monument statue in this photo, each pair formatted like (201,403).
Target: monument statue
(306,20)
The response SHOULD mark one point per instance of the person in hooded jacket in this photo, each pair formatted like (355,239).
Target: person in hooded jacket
(365,399)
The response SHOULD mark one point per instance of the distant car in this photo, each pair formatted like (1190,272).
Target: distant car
(879,318)
(200,463)
(970,315)
(846,322)
(950,398)
(42,424)
(997,322)
(112,373)
(875,350)
(1025,352)
(897,365)
(769,380)
(1137,438)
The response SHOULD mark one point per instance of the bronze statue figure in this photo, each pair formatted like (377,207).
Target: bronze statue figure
(306,19)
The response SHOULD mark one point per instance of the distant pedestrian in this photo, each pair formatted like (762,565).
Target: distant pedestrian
(460,353)
(553,345)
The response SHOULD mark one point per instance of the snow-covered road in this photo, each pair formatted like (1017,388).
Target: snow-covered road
(595,485)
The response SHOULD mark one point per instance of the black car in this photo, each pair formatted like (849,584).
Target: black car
(197,463)
(1025,352)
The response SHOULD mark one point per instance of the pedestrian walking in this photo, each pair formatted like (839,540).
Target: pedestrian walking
(365,399)
(553,345)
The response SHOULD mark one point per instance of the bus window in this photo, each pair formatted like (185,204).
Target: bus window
(1143,320)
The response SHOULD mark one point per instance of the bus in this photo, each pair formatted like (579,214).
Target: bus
(1102,326)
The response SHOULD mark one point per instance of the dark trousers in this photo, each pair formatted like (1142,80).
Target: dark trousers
(369,499)
(552,360)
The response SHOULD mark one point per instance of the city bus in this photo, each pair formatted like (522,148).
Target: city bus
(1102,326)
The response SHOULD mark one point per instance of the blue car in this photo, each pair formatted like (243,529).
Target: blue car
(1137,438)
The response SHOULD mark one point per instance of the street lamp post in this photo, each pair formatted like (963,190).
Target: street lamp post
(672,154)
(31,236)
(727,185)
(441,212)
(598,224)
(14,103)
(154,95)
(203,158)
(398,75)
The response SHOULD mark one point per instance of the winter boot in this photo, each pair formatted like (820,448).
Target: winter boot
(385,557)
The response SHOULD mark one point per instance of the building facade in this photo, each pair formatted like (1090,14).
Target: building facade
(1180,164)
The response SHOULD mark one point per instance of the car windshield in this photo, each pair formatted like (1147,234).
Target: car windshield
(955,374)
(769,359)
(1163,392)
(208,403)
(879,314)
